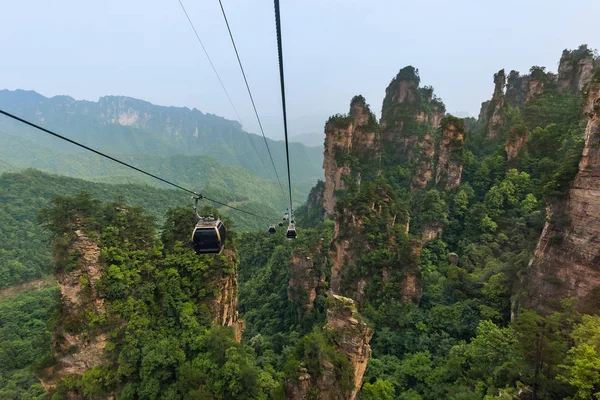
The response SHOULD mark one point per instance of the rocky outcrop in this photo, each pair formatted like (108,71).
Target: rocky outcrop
(352,239)
(348,138)
(566,262)
(450,154)
(575,69)
(494,109)
(520,90)
(533,88)
(338,136)
(430,231)
(424,167)
(350,336)
(341,254)
(575,72)
(410,116)
(412,286)
(515,141)
(316,198)
(409,125)
(224,305)
(303,283)
(77,349)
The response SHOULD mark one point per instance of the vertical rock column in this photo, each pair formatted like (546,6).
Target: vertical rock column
(351,337)
(567,258)
(347,138)
(494,120)
(409,117)
(224,305)
(450,154)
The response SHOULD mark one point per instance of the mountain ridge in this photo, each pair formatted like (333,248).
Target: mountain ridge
(125,125)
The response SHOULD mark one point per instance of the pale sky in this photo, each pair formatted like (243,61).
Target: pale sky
(333,49)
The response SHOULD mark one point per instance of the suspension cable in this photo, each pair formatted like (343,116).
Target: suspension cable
(282,82)
(123,163)
(222,85)
(250,94)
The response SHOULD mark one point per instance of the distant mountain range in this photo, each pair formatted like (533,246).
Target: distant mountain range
(123,125)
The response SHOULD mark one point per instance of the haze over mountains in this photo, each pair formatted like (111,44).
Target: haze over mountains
(309,139)
(186,146)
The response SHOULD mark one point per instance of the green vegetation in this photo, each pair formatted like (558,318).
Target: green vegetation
(194,172)
(130,127)
(451,120)
(25,253)
(408,73)
(574,56)
(468,338)
(447,315)
(339,121)
(26,324)
(157,309)
(408,112)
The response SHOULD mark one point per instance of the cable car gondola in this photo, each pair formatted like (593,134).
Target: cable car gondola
(209,234)
(291,232)
(272,229)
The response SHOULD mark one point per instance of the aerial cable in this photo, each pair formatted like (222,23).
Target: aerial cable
(282,83)
(250,94)
(196,195)
(222,84)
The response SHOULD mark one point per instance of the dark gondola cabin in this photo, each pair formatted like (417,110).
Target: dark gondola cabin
(209,236)
(291,232)
(272,229)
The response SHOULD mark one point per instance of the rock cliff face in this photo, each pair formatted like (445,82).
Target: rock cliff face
(424,167)
(347,139)
(316,198)
(81,336)
(430,232)
(567,258)
(450,154)
(575,69)
(575,72)
(224,304)
(303,283)
(515,141)
(371,209)
(341,254)
(410,115)
(521,89)
(494,109)
(76,349)
(351,337)
(410,127)
(171,121)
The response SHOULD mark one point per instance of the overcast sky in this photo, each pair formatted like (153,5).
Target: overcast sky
(333,49)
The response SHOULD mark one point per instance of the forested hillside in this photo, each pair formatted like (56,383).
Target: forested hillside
(440,258)
(126,126)
(196,172)
(25,252)
(435,223)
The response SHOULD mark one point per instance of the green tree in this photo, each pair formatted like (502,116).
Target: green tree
(582,365)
